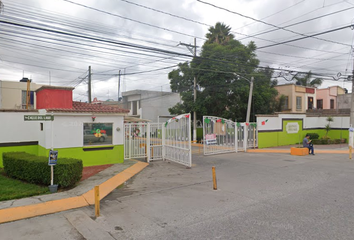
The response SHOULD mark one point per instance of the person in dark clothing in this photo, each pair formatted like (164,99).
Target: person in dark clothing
(307,143)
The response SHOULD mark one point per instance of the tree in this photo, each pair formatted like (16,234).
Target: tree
(221,91)
(328,126)
(219,34)
(305,80)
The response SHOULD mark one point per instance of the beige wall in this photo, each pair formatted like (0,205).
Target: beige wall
(287,90)
(292,91)
(11,94)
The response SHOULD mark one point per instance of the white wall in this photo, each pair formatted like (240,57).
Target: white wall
(67,129)
(275,122)
(15,129)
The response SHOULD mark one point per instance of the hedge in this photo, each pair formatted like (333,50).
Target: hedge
(313,135)
(35,169)
(328,141)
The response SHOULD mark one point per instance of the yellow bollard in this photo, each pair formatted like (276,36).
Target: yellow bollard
(350,152)
(214,179)
(97,201)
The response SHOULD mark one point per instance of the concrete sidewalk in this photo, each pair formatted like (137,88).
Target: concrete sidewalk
(80,196)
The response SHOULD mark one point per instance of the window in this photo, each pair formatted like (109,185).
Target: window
(298,103)
(41,126)
(285,103)
(97,134)
(24,99)
(319,103)
(135,105)
(332,103)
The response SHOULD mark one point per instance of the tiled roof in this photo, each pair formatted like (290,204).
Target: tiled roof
(81,107)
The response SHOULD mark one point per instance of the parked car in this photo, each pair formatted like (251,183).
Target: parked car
(90,136)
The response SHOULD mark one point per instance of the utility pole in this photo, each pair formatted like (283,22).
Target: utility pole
(249,101)
(89,85)
(193,49)
(352,101)
(118,84)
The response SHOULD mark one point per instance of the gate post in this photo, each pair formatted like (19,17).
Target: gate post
(245,137)
(163,132)
(148,147)
(190,140)
(236,138)
(130,141)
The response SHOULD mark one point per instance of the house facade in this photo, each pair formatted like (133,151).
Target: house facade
(150,105)
(13,95)
(91,132)
(327,98)
(298,99)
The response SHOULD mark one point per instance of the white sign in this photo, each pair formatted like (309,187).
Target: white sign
(292,127)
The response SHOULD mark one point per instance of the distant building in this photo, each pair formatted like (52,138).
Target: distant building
(13,95)
(298,99)
(327,97)
(150,105)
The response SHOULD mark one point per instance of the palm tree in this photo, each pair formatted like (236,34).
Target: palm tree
(219,34)
(305,80)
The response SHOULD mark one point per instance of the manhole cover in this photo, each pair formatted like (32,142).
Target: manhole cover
(288,160)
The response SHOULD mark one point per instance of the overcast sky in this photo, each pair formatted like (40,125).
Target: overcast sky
(140,38)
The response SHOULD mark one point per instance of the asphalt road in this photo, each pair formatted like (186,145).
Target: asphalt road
(259,196)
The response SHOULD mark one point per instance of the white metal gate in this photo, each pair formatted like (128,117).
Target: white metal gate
(247,136)
(252,135)
(155,141)
(143,140)
(241,136)
(177,140)
(219,135)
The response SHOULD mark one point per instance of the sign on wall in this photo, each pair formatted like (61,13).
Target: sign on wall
(292,127)
(38,117)
(98,133)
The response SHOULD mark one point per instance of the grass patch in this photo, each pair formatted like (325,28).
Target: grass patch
(15,189)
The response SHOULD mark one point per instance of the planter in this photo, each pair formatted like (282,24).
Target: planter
(299,151)
(53,188)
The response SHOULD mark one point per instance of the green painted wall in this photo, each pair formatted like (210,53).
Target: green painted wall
(273,139)
(89,158)
(32,149)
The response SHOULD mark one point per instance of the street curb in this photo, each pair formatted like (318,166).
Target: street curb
(288,151)
(55,206)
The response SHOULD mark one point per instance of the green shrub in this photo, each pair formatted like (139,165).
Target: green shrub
(35,169)
(313,135)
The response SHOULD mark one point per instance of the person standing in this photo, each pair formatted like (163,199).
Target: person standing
(307,143)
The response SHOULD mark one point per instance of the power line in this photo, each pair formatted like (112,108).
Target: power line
(133,20)
(309,36)
(270,24)
(297,23)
